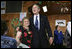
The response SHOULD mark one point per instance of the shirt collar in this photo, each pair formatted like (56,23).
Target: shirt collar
(37,15)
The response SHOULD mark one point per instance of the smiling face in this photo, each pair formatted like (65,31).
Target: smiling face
(35,9)
(26,22)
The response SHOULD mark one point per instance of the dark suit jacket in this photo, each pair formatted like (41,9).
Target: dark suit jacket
(39,36)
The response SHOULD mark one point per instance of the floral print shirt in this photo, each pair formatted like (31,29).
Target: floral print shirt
(26,37)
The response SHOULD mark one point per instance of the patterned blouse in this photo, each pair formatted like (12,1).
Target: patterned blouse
(26,37)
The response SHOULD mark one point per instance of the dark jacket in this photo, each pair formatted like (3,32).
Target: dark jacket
(39,36)
(58,37)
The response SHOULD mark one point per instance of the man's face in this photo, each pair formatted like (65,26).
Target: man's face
(35,9)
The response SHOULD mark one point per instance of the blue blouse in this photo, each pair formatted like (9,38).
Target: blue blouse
(8,42)
(58,37)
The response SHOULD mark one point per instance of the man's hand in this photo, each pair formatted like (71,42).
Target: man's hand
(51,40)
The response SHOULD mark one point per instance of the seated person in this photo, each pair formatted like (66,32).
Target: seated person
(6,42)
(58,37)
(24,35)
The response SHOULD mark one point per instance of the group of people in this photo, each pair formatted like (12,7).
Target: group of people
(32,32)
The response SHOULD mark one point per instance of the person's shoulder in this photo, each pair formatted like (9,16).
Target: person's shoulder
(30,19)
(55,30)
(9,41)
(7,38)
(69,22)
(43,16)
(31,16)
(4,37)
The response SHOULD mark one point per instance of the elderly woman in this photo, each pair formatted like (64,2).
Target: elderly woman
(24,35)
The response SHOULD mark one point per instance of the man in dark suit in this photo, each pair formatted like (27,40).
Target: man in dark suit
(39,24)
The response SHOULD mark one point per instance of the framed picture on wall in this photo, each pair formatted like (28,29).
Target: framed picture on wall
(60,22)
(3,4)
(2,11)
(22,15)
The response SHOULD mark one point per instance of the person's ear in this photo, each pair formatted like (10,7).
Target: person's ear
(39,10)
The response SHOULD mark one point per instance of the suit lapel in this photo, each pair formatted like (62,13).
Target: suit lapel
(40,21)
(33,20)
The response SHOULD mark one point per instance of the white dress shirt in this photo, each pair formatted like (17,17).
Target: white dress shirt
(69,28)
(38,18)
